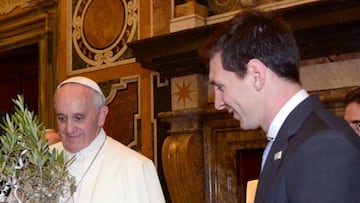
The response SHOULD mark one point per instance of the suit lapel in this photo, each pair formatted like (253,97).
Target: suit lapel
(272,164)
(279,149)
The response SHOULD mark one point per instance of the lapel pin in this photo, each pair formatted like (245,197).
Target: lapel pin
(277,155)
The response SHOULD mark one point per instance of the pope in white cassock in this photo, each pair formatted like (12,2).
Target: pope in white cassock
(105,170)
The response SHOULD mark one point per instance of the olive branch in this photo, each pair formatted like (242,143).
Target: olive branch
(29,170)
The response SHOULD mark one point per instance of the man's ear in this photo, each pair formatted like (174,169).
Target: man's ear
(102,115)
(257,72)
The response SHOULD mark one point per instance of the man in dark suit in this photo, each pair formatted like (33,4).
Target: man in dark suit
(352,109)
(313,156)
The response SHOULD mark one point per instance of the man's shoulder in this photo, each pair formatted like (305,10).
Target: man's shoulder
(123,152)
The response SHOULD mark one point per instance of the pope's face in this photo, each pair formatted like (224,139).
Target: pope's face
(352,116)
(79,121)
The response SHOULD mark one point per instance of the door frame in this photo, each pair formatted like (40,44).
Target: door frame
(35,24)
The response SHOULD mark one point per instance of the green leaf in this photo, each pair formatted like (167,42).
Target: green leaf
(40,174)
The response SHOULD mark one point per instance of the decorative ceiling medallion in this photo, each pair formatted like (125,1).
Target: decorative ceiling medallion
(6,6)
(101,29)
(222,6)
(249,3)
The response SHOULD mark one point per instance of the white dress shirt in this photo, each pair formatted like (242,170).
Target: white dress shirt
(280,118)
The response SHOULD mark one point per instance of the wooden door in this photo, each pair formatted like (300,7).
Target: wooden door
(19,75)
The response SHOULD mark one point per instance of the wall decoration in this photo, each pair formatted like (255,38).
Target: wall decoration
(100,32)
(187,92)
(7,6)
(222,6)
(123,121)
(160,90)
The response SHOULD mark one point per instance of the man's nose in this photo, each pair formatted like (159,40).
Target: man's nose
(219,102)
(69,127)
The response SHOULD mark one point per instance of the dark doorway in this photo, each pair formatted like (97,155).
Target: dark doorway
(248,163)
(19,75)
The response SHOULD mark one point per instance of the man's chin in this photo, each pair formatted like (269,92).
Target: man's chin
(73,148)
(237,118)
(243,126)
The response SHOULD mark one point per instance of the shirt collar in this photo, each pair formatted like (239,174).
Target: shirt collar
(284,112)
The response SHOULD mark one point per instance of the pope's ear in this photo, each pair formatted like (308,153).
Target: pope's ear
(102,115)
(257,72)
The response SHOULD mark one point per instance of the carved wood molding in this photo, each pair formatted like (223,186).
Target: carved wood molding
(35,25)
(223,138)
(172,54)
(249,3)
(201,152)
(182,157)
(177,53)
(23,31)
(7,6)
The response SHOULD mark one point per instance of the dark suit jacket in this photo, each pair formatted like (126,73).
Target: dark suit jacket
(319,161)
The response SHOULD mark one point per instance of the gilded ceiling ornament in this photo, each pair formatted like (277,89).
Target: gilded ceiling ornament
(249,3)
(102,28)
(221,6)
(6,6)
